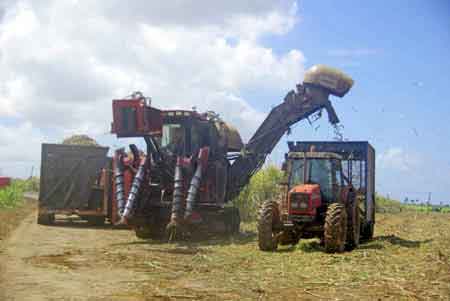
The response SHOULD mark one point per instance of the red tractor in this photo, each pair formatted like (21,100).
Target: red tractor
(195,163)
(329,193)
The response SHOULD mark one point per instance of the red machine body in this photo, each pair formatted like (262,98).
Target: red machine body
(4,182)
(304,199)
(136,118)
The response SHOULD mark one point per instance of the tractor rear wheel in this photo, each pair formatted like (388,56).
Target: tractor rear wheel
(46,219)
(353,224)
(335,228)
(268,220)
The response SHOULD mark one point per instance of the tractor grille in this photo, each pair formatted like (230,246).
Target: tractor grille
(299,201)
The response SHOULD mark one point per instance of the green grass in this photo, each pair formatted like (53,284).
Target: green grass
(385,205)
(263,186)
(427,208)
(12,196)
(445,210)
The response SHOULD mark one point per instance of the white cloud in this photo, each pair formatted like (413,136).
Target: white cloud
(19,149)
(61,62)
(396,158)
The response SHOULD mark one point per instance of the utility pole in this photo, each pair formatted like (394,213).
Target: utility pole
(429,197)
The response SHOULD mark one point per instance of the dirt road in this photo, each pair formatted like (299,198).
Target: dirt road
(409,259)
(63,262)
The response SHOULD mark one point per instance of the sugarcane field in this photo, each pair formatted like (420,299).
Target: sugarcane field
(210,150)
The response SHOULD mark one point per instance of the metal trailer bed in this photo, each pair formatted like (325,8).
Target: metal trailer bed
(75,179)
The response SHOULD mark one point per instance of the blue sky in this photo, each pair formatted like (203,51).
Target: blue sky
(398,53)
(400,88)
(239,59)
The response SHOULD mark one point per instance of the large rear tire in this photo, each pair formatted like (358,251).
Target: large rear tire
(268,219)
(335,229)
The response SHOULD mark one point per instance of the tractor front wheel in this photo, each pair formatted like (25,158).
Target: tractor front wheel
(268,220)
(335,229)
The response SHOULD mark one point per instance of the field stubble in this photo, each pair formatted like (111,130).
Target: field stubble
(408,259)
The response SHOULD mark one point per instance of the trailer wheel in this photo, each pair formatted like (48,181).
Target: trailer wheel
(353,224)
(269,218)
(335,229)
(367,231)
(96,220)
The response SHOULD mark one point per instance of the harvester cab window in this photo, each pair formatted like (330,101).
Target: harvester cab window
(173,138)
(199,136)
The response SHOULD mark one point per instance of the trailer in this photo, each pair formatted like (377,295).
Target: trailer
(4,182)
(75,180)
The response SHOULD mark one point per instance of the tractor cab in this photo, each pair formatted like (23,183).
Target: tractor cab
(314,180)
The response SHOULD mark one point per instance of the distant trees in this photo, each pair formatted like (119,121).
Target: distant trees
(263,186)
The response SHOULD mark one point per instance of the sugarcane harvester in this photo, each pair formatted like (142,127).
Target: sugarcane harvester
(195,163)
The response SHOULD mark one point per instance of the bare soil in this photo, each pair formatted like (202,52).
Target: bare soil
(11,218)
(409,259)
